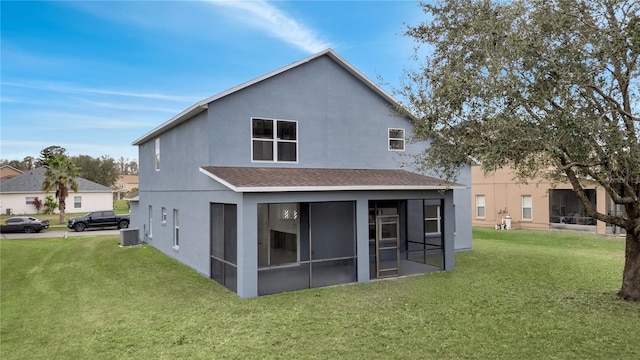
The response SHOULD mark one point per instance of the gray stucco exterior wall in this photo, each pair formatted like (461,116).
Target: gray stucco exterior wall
(341,123)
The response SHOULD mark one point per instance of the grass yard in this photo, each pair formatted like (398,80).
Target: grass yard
(517,295)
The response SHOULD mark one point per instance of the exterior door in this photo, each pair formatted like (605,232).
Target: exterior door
(387,246)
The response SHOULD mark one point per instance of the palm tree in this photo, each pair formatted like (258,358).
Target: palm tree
(60,175)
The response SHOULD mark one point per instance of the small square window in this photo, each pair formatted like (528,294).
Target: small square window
(396,139)
(274,140)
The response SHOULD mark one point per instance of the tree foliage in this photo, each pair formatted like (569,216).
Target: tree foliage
(536,86)
(47,153)
(127,167)
(60,177)
(25,165)
(102,170)
(50,204)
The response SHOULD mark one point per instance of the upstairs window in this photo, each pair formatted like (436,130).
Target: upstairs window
(274,140)
(158,154)
(396,139)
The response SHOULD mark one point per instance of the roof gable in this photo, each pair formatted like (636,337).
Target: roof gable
(31,181)
(203,105)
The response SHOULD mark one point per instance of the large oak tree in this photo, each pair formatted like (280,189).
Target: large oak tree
(548,88)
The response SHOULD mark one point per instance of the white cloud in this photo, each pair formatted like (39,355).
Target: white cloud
(275,21)
(66,88)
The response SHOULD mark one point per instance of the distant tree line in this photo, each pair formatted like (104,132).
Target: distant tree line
(103,170)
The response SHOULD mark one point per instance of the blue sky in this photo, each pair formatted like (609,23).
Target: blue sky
(92,76)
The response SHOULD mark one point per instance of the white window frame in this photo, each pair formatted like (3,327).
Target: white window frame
(530,207)
(390,139)
(157,154)
(274,141)
(29,200)
(483,206)
(77,202)
(176,229)
(437,219)
(163,220)
(150,222)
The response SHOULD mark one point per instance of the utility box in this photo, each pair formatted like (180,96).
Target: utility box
(129,237)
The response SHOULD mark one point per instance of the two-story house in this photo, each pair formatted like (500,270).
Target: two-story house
(293,181)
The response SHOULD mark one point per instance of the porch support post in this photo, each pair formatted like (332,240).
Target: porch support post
(362,237)
(247,275)
(449,231)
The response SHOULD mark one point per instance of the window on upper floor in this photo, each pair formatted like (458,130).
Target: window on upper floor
(157,157)
(396,139)
(274,140)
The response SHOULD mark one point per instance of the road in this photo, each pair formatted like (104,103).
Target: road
(56,234)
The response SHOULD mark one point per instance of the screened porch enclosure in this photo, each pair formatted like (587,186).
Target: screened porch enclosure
(305,245)
(567,212)
(405,237)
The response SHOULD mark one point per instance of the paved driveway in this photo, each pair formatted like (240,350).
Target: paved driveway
(61,233)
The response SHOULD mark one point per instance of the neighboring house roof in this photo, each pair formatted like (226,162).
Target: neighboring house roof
(132,197)
(8,172)
(254,179)
(31,181)
(126,181)
(129,179)
(202,105)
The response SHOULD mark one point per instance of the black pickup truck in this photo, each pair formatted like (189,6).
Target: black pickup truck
(100,219)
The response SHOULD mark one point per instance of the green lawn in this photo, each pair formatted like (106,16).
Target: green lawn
(517,295)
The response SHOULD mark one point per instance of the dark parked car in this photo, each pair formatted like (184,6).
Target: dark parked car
(23,224)
(100,219)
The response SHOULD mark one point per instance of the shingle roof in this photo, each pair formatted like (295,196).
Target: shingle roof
(256,179)
(31,181)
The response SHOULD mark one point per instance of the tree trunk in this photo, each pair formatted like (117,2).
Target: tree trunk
(62,206)
(630,290)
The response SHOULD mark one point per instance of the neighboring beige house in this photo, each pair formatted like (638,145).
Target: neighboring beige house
(8,172)
(536,205)
(17,194)
(124,184)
